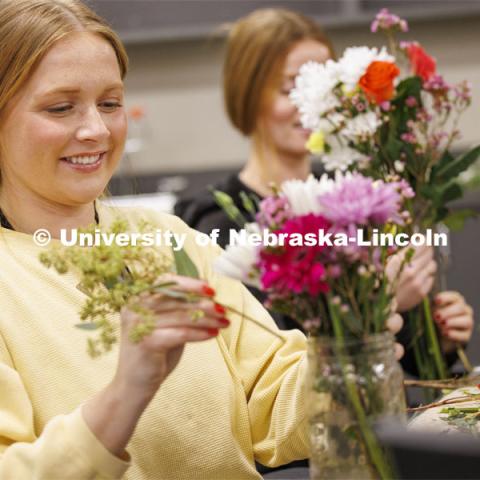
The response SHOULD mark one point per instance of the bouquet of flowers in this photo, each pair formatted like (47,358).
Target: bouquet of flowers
(316,249)
(388,114)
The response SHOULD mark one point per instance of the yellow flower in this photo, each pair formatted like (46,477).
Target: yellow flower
(350,93)
(316,143)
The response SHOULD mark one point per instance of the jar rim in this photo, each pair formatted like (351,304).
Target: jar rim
(368,341)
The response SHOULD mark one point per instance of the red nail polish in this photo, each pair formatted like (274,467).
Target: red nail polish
(438,317)
(208,291)
(224,321)
(212,331)
(219,308)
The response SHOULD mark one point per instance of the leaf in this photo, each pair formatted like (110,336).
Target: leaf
(456,220)
(226,203)
(248,203)
(87,326)
(410,87)
(440,215)
(453,191)
(445,160)
(183,263)
(457,166)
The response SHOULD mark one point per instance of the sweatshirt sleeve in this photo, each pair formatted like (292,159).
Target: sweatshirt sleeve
(272,371)
(66,448)
(273,374)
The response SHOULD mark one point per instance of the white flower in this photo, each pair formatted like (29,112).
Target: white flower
(399,166)
(331,122)
(355,61)
(361,127)
(238,260)
(341,157)
(303,195)
(313,94)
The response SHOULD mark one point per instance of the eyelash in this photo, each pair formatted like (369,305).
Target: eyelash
(110,106)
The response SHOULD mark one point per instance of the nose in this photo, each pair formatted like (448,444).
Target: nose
(93,127)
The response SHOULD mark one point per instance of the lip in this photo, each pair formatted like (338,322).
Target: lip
(85,168)
(304,131)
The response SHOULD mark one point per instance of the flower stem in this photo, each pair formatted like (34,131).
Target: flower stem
(372,446)
(434,345)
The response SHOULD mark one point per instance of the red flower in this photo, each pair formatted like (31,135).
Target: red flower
(377,81)
(422,64)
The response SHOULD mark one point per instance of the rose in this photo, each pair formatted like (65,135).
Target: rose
(377,82)
(422,64)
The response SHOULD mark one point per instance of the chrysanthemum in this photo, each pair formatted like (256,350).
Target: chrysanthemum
(313,93)
(361,200)
(302,196)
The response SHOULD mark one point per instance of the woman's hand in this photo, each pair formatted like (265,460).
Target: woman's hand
(145,365)
(394,324)
(454,318)
(142,367)
(416,279)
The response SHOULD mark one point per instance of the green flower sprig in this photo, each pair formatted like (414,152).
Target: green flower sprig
(113,276)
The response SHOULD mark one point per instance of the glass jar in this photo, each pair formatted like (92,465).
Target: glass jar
(349,387)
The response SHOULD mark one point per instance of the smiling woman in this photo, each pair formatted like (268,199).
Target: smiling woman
(69,106)
(76,128)
(202,396)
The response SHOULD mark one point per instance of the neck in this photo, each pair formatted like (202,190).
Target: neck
(273,167)
(27,212)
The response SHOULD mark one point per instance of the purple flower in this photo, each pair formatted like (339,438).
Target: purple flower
(386,20)
(360,200)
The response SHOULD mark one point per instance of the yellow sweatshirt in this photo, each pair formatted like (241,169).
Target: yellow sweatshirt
(231,400)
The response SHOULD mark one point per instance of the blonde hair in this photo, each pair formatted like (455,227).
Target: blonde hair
(28,28)
(257,46)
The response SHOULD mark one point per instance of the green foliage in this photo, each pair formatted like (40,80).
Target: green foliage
(111,277)
(464,419)
(226,203)
(450,168)
(183,263)
(455,221)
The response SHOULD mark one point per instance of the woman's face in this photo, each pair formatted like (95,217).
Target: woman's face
(63,133)
(281,119)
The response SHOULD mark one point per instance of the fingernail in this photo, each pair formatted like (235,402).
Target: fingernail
(224,321)
(219,308)
(438,317)
(438,301)
(212,331)
(208,291)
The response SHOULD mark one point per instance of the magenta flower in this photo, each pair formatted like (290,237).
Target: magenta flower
(296,269)
(360,200)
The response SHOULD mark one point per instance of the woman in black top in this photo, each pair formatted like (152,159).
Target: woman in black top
(264,53)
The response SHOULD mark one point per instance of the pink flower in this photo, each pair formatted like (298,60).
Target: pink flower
(386,20)
(360,200)
(273,212)
(296,269)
